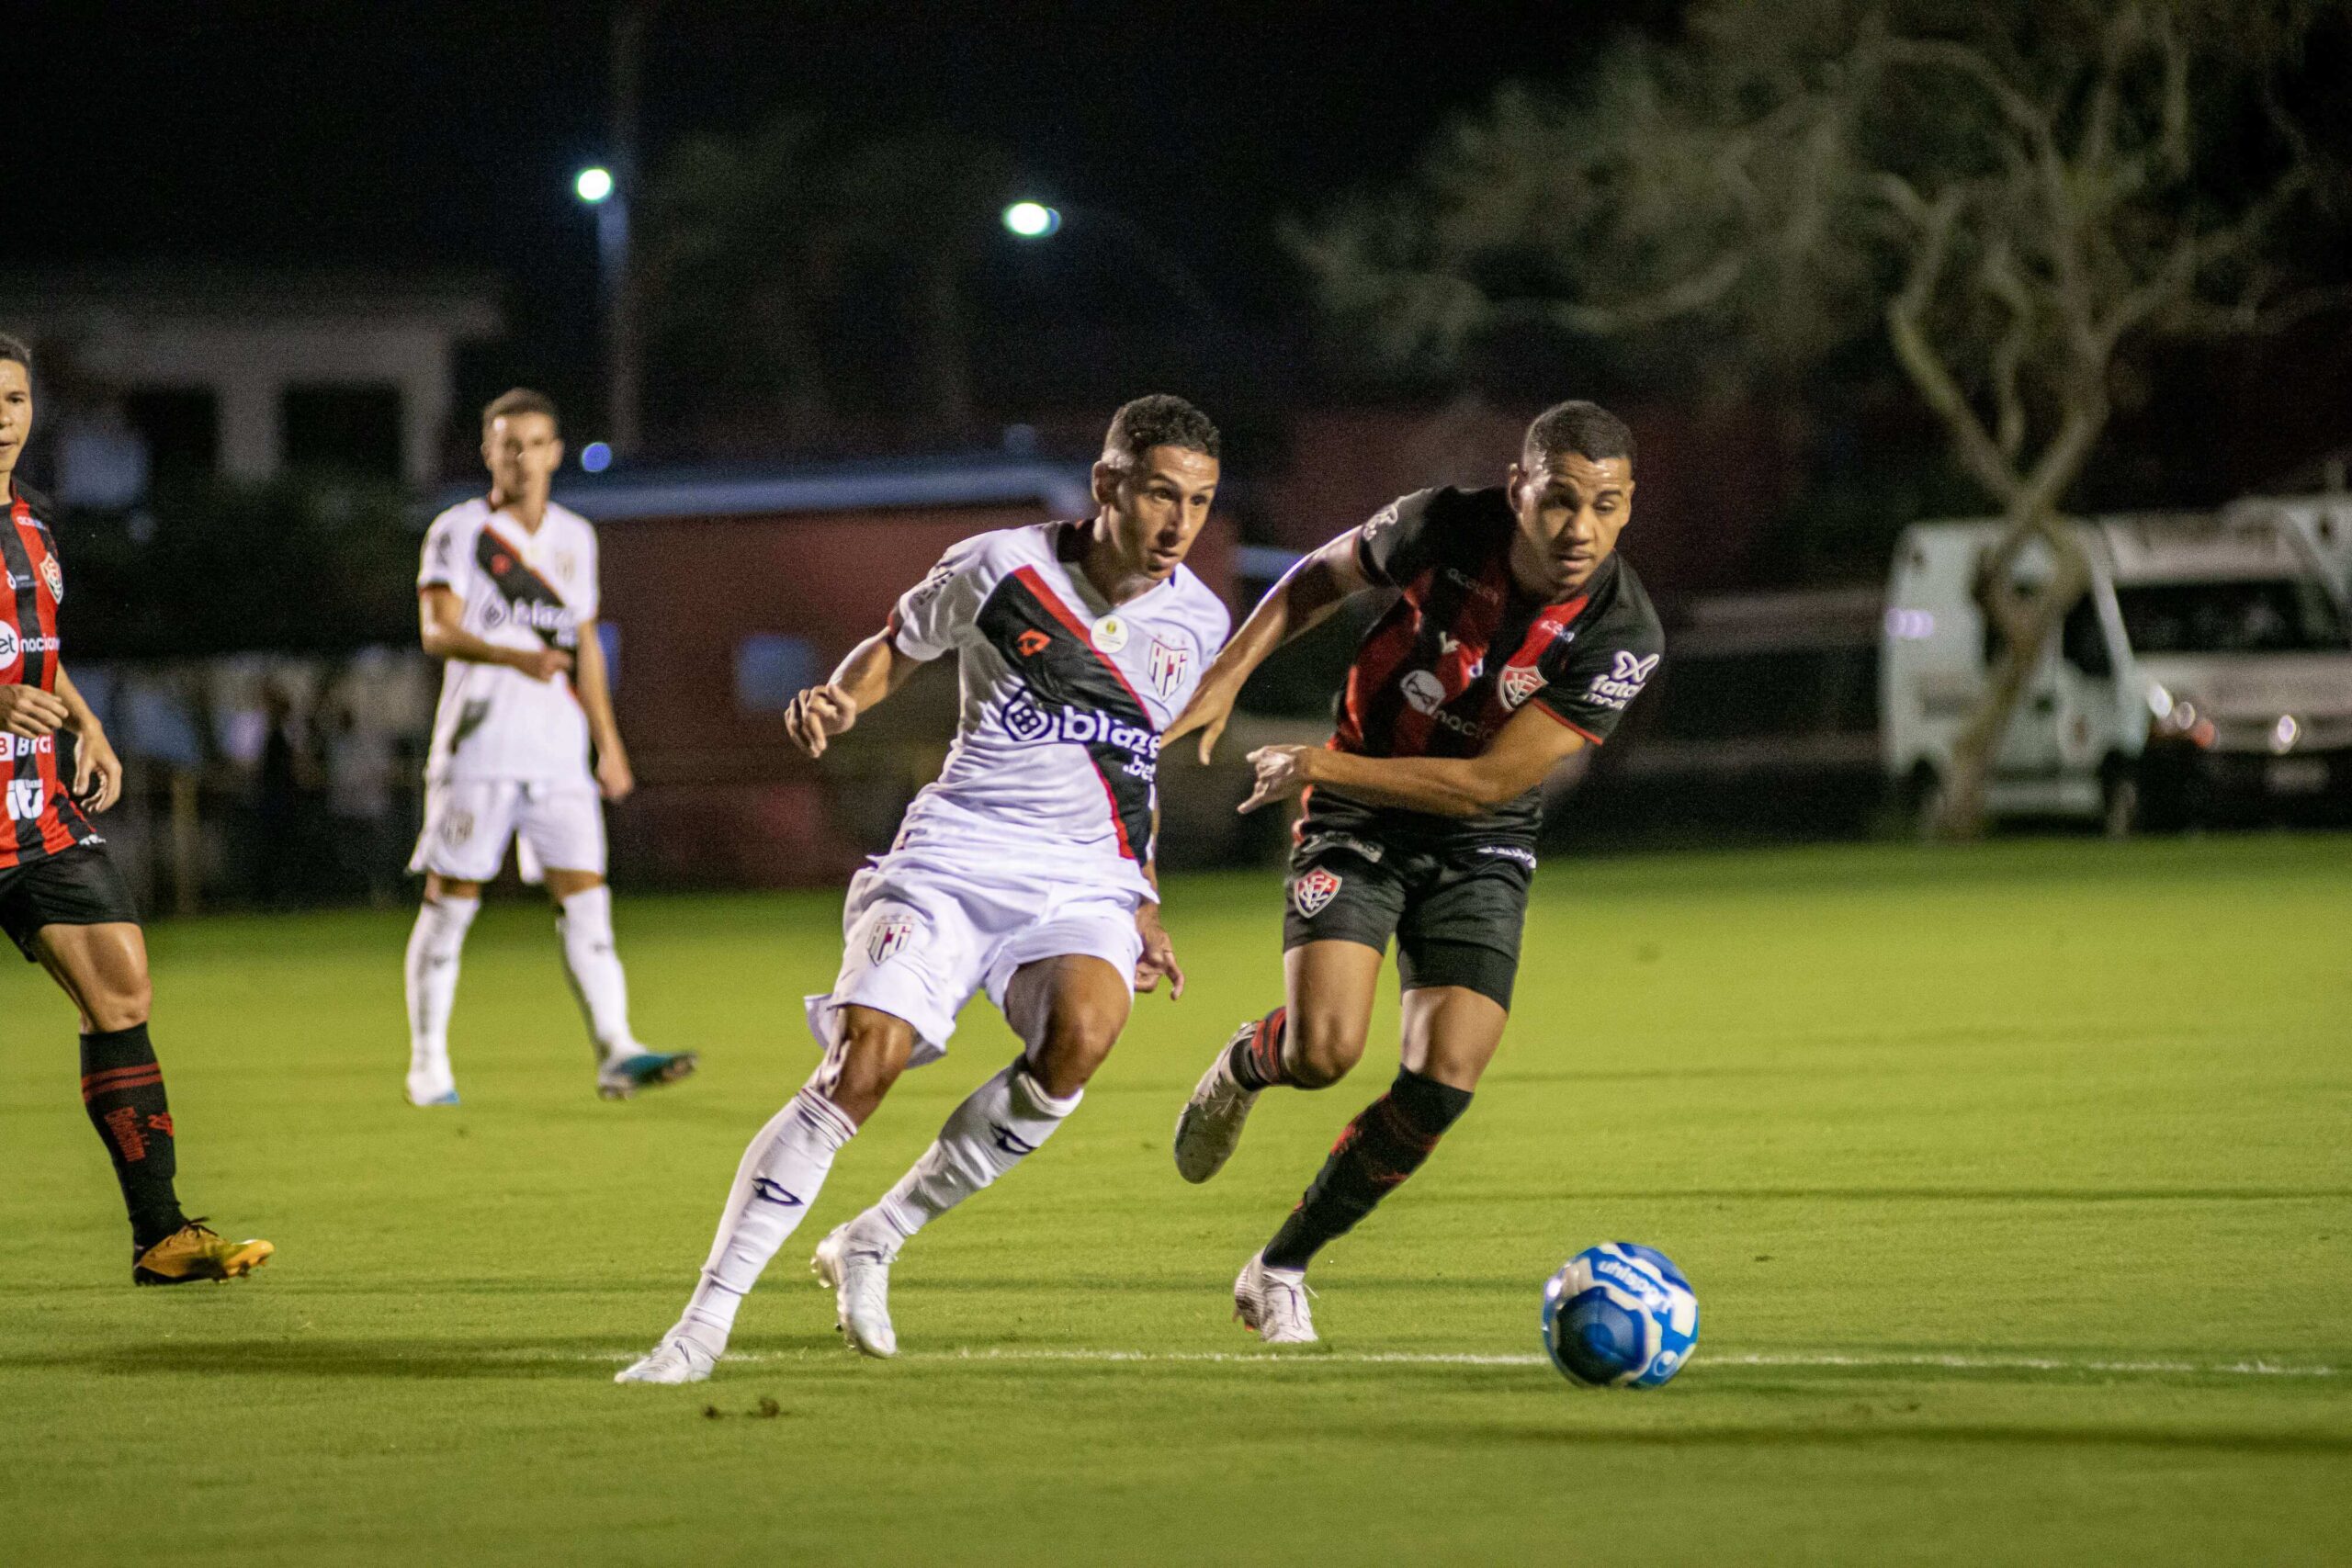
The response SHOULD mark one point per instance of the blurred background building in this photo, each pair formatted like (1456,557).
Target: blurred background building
(818,298)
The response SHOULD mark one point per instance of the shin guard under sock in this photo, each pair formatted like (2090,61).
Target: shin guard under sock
(122,1089)
(1380,1149)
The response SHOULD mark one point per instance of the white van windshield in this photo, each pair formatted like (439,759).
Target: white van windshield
(2257,615)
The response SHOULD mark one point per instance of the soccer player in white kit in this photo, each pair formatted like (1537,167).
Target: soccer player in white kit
(507,595)
(1026,869)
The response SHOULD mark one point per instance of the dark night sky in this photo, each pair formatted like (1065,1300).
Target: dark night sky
(446,135)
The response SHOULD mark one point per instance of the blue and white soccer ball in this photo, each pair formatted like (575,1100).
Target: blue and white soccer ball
(1618,1316)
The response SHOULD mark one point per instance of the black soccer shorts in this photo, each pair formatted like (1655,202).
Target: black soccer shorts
(79,887)
(1456,905)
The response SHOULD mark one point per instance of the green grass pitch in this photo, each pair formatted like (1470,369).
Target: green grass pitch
(2013,1182)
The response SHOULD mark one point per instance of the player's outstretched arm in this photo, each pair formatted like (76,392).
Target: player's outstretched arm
(440,618)
(874,670)
(1304,597)
(97,772)
(1529,747)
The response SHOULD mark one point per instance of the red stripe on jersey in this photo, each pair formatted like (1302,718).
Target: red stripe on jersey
(1378,661)
(1118,824)
(1473,625)
(1061,612)
(55,834)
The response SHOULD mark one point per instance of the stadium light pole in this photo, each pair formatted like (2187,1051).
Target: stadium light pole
(596,188)
(1034,220)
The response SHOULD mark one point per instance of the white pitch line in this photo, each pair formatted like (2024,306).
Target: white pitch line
(1464,1359)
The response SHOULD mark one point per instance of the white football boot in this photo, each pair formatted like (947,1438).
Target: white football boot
(860,1281)
(676,1359)
(1273,1303)
(1209,1127)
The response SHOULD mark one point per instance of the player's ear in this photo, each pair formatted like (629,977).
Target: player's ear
(1106,483)
(556,447)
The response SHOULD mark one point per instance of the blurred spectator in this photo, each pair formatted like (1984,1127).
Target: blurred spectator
(284,800)
(360,767)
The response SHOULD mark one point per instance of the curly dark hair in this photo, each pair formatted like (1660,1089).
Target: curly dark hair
(1160,420)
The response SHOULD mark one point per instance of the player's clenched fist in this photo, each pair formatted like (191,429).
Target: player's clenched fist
(817,715)
(31,712)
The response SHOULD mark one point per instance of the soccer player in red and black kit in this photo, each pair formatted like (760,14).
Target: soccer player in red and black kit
(61,900)
(1516,638)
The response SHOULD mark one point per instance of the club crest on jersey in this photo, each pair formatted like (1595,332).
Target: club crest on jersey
(1624,682)
(1518,682)
(1169,666)
(1312,893)
(889,936)
(54,578)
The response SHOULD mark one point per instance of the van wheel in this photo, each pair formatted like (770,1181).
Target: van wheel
(2120,814)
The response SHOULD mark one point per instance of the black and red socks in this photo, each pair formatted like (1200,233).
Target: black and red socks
(122,1088)
(1255,1058)
(1380,1149)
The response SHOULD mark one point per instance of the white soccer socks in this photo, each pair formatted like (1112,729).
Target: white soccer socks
(780,1176)
(433,950)
(586,927)
(1003,1119)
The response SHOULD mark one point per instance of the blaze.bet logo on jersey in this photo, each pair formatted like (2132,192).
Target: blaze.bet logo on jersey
(1032,725)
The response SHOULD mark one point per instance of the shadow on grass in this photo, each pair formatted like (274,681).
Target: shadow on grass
(586,1357)
(1881,1434)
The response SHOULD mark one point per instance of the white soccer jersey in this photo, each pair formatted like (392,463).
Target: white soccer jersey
(522,588)
(1064,697)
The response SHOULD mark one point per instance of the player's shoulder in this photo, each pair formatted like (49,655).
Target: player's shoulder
(570,522)
(37,503)
(1197,606)
(999,552)
(1629,619)
(466,516)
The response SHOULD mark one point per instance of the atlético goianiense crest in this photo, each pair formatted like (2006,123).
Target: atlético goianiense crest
(892,934)
(1169,665)
(1518,683)
(1313,892)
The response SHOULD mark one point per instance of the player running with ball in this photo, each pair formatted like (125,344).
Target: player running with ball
(1026,869)
(1516,638)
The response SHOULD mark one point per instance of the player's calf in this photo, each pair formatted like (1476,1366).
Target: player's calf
(1383,1147)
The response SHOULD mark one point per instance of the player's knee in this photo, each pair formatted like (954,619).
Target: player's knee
(1077,1041)
(123,1005)
(1320,1052)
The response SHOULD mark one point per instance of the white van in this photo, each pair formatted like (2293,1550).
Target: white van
(2325,521)
(2206,672)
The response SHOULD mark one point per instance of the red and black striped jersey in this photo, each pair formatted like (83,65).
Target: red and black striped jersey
(41,817)
(1463,648)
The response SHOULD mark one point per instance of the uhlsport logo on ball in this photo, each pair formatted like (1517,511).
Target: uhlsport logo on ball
(1619,1316)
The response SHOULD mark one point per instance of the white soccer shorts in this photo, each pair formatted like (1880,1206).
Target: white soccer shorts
(467,823)
(922,934)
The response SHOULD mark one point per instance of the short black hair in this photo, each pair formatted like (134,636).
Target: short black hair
(1585,429)
(1160,420)
(14,348)
(521,399)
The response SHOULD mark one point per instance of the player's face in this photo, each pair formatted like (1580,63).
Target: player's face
(522,452)
(1570,511)
(1158,507)
(16,413)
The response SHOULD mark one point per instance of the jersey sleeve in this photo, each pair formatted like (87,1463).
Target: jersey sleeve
(592,584)
(934,613)
(1606,671)
(1397,543)
(448,561)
